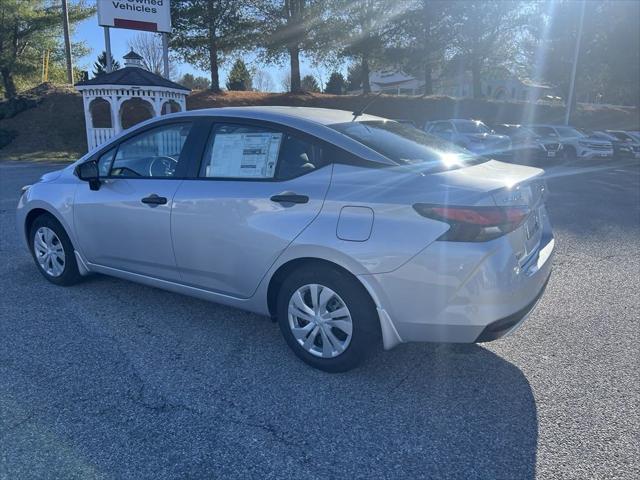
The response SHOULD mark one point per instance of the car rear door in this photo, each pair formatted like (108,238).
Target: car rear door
(258,186)
(126,223)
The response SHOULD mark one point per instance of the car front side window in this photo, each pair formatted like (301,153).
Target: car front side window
(105,161)
(153,153)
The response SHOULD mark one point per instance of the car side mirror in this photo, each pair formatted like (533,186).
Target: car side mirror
(88,172)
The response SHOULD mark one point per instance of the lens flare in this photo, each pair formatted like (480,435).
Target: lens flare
(450,159)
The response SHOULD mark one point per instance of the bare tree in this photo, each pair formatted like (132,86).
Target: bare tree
(262,81)
(149,47)
(319,75)
(285,82)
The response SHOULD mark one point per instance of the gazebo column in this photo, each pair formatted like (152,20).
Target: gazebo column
(116,122)
(157,106)
(86,101)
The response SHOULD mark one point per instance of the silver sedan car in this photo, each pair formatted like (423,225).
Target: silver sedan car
(348,230)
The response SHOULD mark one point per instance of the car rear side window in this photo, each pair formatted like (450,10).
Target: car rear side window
(252,152)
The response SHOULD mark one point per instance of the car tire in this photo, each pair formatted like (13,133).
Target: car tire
(53,252)
(569,154)
(322,337)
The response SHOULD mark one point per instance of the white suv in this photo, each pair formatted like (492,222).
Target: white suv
(575,144)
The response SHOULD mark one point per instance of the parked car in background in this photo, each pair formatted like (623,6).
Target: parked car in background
(348,231)
(622,149)
(527,146)
(473,135)
(633,134)
(629,139)
(576,145)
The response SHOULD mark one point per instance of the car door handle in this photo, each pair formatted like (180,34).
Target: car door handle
(290,197)
(154,200)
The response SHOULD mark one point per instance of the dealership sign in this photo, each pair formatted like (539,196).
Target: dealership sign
(149,15)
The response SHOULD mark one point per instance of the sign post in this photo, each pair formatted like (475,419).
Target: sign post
(107,48)
(165,54)
(145,15)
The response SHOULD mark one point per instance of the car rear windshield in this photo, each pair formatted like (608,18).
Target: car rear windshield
(406,145)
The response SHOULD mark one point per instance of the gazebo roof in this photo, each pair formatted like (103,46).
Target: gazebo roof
(132,55)
(134,76)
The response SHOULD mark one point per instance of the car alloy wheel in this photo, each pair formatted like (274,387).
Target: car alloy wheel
(320,321)
(49,251)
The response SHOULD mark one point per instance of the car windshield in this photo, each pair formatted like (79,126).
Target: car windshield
(621,136)
(406,145)
(471,126)
(545,132)
(522,132)
(569,132)
(600,135)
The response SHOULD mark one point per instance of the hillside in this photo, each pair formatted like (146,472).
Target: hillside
(54,127)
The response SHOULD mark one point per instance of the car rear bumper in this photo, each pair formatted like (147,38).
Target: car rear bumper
(506,325)
(463,292)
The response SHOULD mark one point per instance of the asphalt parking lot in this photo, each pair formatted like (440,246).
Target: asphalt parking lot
(114,380)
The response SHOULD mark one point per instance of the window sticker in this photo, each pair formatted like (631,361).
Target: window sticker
(244,155)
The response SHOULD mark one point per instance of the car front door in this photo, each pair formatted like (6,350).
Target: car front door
(126,223)
(257,188)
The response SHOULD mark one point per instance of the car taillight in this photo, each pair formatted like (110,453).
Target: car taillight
(474,224)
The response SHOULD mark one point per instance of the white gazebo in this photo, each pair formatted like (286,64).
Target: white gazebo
(118,100)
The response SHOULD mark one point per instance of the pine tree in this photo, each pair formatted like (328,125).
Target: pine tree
(194,83)
(309,84)
(27,28)
(354,77)
(206,32)
(336,84)
(100,66)
(239,76)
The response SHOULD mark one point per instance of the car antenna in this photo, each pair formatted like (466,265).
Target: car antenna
(358,113)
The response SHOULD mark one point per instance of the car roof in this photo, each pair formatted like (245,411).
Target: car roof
(314,121)
(465,120)
(550,125)
(282,114)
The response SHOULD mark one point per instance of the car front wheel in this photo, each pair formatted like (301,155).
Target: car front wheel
(327,318)
(53,252)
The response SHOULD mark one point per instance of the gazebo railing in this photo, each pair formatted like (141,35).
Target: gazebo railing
(169,142)
(97,136)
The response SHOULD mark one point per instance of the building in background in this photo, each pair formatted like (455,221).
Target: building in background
(456,81)
(497,84)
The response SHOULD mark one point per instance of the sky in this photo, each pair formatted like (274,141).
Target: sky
(92,35)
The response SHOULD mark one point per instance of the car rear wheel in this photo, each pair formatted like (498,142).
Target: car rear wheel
(327,318)
(52,251)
